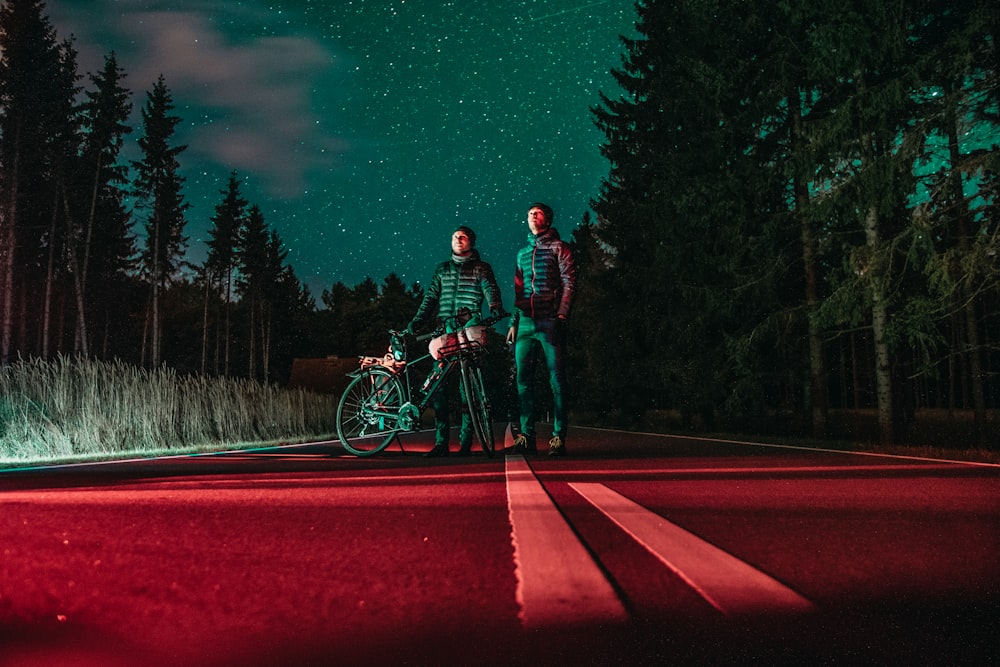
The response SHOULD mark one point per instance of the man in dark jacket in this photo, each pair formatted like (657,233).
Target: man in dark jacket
(459,284)
(544,280)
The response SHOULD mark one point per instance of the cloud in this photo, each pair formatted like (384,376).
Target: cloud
(246,90)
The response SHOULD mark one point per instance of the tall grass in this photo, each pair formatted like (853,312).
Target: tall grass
(71,408)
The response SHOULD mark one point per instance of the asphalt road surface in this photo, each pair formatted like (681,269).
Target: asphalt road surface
(635,549)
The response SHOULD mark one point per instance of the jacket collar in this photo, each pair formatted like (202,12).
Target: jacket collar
(547,236)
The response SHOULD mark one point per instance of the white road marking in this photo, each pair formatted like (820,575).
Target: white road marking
(718,471)
(558,582)
(727,583)
(793,447)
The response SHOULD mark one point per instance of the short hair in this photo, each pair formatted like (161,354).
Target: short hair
(468,232)
(546,209)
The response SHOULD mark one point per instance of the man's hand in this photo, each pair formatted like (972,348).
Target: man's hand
(559,332)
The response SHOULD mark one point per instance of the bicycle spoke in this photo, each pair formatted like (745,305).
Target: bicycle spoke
(367,417)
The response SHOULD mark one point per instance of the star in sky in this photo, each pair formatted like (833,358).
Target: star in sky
(368,130)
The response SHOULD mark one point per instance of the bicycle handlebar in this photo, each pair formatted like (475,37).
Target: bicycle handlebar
(442,328)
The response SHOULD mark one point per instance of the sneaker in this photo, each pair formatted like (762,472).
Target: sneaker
(557,447)
(464,450)
(439,450)
(523,444)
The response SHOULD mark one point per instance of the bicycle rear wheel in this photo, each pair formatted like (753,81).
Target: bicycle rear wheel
(479,406)
(368,413)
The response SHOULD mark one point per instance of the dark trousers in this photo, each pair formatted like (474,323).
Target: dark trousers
(442,420)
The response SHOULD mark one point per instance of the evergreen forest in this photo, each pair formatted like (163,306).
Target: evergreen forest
(799,219)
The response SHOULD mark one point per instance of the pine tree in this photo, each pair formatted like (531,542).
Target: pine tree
(957,59)
(31,66)
(105,245)
(684,208)
(396,303)
(785,100)
(282,298)
(869,145)
(364,311)
(260,259)
(646,143)
(227,224)
(158,188)
(336,302)
(593,338)
(61,154)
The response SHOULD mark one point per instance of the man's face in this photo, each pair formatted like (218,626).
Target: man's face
(538,223)
(461,244)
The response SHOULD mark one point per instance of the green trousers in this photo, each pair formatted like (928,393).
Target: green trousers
(543,338)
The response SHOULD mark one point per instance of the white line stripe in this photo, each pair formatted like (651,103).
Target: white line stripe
(730,585)
(797,447)
(558,583)
(745,471)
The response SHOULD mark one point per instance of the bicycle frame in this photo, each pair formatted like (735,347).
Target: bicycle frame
(409,413)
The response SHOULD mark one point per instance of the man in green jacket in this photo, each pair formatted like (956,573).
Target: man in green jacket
(463,282)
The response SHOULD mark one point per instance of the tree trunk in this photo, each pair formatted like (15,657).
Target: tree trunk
(266,333)
(855,371)
(880,324)
(204,325)
(228,324)
(252,342)
(88,237)
(8,237)
(82,347)
(154,306)
(968,297)
(49,284)
(819,399)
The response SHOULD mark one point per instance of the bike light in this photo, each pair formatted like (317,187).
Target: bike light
(397,346)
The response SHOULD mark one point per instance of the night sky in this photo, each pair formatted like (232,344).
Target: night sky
(368,130)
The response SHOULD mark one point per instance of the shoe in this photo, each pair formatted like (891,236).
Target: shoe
(438,451)
(557,447)
(523,444)
(464,450)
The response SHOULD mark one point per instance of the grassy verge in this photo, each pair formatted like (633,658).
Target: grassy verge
(73,410)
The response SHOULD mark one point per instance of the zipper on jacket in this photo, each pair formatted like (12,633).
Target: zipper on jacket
(531,298)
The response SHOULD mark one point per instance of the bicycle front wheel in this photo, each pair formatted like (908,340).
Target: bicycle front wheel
(479,406)
(368,413)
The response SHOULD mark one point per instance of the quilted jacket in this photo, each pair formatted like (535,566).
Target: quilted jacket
(544,278)
(461,282)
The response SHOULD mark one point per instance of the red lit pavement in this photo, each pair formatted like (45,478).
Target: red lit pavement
(636,549)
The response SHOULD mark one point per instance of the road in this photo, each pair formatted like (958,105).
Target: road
(636,549)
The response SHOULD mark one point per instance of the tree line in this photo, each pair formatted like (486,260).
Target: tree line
(801,212)
(75,278)
(799,215)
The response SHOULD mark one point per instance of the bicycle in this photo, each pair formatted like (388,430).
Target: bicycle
(382,399)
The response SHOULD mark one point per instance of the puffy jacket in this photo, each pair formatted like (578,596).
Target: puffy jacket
(544,278)
(461,282)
